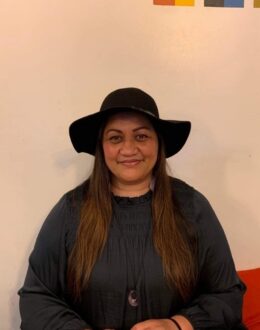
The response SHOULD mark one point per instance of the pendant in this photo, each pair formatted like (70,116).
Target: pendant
(132,298)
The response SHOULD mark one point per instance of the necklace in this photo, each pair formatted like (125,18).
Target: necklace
(133,297)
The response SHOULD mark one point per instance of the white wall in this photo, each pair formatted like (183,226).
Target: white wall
(60,58)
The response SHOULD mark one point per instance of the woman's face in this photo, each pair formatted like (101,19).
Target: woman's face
(130,146)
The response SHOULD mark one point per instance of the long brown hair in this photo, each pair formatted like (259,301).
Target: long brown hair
(173,238)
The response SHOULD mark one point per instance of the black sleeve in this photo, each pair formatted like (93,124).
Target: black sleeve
(43,303)
(218,304)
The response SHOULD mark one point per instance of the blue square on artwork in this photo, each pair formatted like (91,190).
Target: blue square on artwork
(234,3)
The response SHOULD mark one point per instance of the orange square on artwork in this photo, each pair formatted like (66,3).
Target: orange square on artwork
(164,2)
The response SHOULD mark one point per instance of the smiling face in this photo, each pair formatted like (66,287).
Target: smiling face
(130,146)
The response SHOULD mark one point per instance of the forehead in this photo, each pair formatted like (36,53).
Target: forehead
(124,119)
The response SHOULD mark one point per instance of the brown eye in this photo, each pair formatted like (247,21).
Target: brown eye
(115,138)
(141,137)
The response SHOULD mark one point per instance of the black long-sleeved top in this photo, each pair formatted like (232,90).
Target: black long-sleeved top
(129,261)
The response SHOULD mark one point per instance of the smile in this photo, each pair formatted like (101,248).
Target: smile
(130,162)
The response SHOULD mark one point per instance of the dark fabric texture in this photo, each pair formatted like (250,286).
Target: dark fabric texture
(129,261)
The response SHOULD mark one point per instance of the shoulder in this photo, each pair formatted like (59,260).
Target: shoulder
(196,209)
(181,190)
(61,224)
(65,213)
(192,203)
(186,195)
(75,196)
(68,204)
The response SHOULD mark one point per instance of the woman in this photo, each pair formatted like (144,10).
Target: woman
(131,248)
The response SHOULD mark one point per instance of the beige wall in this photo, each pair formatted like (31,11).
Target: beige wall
(60,58)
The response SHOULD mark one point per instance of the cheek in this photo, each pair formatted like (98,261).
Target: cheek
(152,150)
(109,150)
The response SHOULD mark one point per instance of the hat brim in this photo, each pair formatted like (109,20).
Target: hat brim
(84,132)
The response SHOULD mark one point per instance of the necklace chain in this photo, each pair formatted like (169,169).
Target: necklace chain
(133,297)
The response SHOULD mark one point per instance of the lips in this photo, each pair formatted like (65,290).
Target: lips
(130,162)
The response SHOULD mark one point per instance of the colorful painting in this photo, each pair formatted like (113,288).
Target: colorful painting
(224,3)
(207,3)
(174,2)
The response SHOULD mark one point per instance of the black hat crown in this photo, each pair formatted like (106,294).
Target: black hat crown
(130,98)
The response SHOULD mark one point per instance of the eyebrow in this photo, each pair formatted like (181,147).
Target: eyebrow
(134,130)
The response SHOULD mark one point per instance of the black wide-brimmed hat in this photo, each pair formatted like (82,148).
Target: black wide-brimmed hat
(84,132)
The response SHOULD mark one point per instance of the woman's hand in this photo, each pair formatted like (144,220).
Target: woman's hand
(164,324)
(157,324)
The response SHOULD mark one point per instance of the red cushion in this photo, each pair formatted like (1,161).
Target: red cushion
(251,307)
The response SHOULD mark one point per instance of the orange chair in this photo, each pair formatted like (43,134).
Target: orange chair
(251,307)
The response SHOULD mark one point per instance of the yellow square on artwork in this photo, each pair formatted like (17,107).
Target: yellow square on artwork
(257,3)
(184,2)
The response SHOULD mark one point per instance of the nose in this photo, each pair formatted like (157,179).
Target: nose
(128,147)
